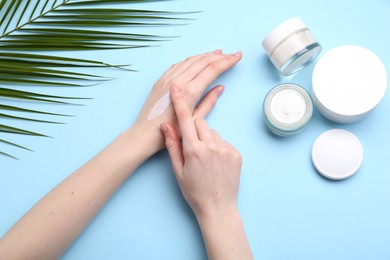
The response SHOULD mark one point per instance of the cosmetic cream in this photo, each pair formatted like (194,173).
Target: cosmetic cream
(348,83)
(290,46)
(160,106)
(287,109)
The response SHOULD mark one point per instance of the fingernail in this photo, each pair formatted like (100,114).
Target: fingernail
(220,90)
(164,128)
(219,51)
(237,54)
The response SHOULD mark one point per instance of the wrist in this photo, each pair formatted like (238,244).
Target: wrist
(224,235)
(214,217)
(143,139)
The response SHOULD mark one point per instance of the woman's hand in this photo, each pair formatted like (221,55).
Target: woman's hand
(193,75)
(207,169)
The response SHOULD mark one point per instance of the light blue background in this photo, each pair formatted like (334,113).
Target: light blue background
(289,211)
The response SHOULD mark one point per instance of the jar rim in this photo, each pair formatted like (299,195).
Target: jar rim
(281,128)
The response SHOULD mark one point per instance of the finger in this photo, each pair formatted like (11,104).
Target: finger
(173,145)
(178,68)
(212,71)
(198,65)
(208,102)
(184,65)
(203,130)
(184,116)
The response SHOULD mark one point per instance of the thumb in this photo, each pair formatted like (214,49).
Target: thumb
(174,147)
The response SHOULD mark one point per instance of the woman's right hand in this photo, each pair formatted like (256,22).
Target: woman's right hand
(207,168)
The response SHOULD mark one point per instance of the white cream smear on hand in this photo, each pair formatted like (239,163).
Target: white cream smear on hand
(160,106)
(287,106)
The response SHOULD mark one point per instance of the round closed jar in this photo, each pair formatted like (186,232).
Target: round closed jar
(290,46)
(287,109)
(348,83)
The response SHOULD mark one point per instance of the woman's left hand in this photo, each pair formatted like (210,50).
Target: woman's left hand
(193,75)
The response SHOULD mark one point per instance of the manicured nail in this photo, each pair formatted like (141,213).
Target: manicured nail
(237,54)
(164,128)
(220,90)
(219,51)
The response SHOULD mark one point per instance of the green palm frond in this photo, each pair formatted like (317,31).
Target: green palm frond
(28,26)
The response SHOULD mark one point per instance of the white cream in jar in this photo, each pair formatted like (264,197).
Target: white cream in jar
(287,109)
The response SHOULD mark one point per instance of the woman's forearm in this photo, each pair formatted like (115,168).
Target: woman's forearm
(50,227)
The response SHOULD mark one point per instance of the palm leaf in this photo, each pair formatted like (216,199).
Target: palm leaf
(27,119)
(28,26)
(12,144)
(20,109)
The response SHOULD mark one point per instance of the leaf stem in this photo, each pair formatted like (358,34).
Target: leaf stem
(31,19)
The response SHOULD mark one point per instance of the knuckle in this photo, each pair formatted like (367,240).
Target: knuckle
(214,66)
(237,157)
(191,152)
(189,59)
(232,153)
(226,152)
(230,60)
(174,66)
(169,144)
(212,148)
(204,58)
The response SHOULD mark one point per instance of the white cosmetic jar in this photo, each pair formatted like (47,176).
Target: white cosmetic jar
(348,83)
(287,109)
(290,46)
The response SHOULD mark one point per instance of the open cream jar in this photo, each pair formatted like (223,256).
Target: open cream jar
(287,109)
(290,46)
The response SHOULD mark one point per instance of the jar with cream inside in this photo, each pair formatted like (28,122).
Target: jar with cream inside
(288,109)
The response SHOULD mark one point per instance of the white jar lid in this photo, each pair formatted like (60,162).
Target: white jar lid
(337,154)
(285,29)
(348,82)
(290,46)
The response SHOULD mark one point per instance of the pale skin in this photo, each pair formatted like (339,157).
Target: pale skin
(51,226)
(207,169)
